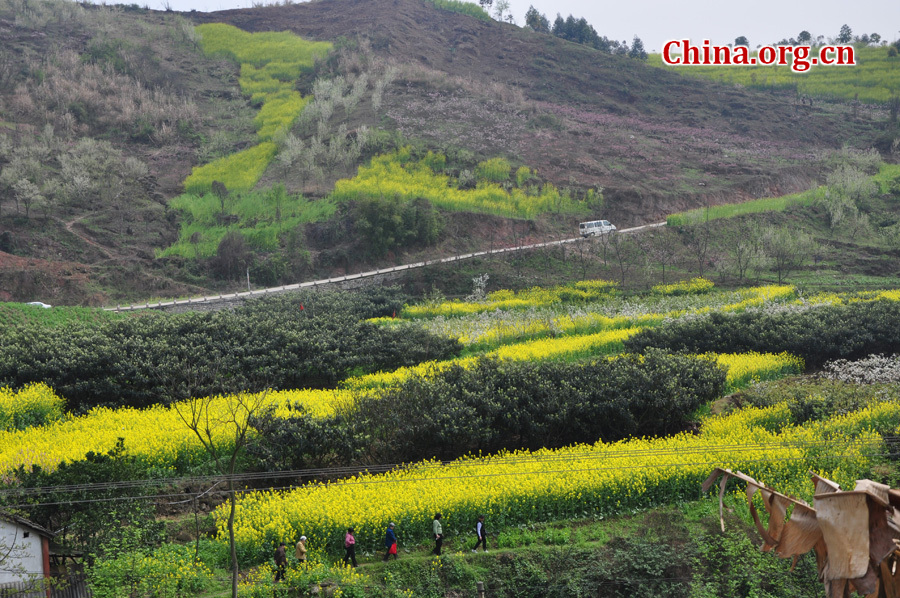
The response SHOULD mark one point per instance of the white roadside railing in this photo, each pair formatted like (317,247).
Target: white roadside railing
(339,279)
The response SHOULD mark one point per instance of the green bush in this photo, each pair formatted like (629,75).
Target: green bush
(817,334)
(496,406)
(169,571)
(386,223)
(265,344)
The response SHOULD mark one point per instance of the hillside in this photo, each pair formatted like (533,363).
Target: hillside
(87,224)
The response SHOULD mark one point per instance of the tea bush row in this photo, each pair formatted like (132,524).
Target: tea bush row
(307,340)
(497,405)
(816,334)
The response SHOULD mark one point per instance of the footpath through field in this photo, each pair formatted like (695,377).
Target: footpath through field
(348,277)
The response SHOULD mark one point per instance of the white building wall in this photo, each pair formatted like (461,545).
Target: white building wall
(26,554)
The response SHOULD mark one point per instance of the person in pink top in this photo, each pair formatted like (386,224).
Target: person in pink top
(350,547)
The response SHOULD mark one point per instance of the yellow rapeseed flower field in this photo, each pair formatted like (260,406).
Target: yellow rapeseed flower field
(522,487)
(28,406)
(157,436)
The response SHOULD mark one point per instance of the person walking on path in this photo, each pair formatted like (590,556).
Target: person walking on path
(481,534)
(438,534)
(390,542)
(280,562)
(350,547)
(300,551)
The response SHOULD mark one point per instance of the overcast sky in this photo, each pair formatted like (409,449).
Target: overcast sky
(656,21)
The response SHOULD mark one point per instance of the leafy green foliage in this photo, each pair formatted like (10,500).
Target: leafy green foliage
(265,218)
(760,573)
(98,521)
(169,570)
(387,223)
(265,344)
(496,406)
(817,335)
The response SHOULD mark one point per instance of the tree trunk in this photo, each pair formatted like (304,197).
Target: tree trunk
(234,561)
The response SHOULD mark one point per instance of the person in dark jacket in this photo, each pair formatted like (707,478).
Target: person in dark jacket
(438,534)
(390,542)
(481,534)
(280,562)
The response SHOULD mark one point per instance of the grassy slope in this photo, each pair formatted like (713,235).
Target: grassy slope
(875,79)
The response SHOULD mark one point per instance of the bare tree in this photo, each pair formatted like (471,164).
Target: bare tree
(625,252)
(603,244)
(786,249)
(697,241)
(583,253)
(661,248)
(222,424)
(742,245)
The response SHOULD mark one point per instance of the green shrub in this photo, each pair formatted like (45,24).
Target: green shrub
(170,571)
(265,344)
(495,170)
(385,223)
(495,406)
(816,334)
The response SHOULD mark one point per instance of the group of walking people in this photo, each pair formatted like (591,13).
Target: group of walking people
(281,557)
(390,545)
(437,529)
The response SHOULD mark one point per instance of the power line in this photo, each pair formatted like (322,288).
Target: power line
(473,462)
(480,475)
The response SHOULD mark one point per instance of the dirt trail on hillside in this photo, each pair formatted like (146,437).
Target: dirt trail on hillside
(70,227)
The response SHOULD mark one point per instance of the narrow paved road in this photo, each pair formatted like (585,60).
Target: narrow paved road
(348,277)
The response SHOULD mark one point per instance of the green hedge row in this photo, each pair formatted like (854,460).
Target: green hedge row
(499,405)
(304,340)
(817,334)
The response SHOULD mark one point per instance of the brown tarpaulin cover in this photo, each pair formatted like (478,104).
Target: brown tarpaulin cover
(855,534)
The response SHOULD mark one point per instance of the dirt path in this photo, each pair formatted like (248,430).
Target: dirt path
(70,227)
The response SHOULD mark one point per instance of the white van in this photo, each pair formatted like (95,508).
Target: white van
(596,227)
